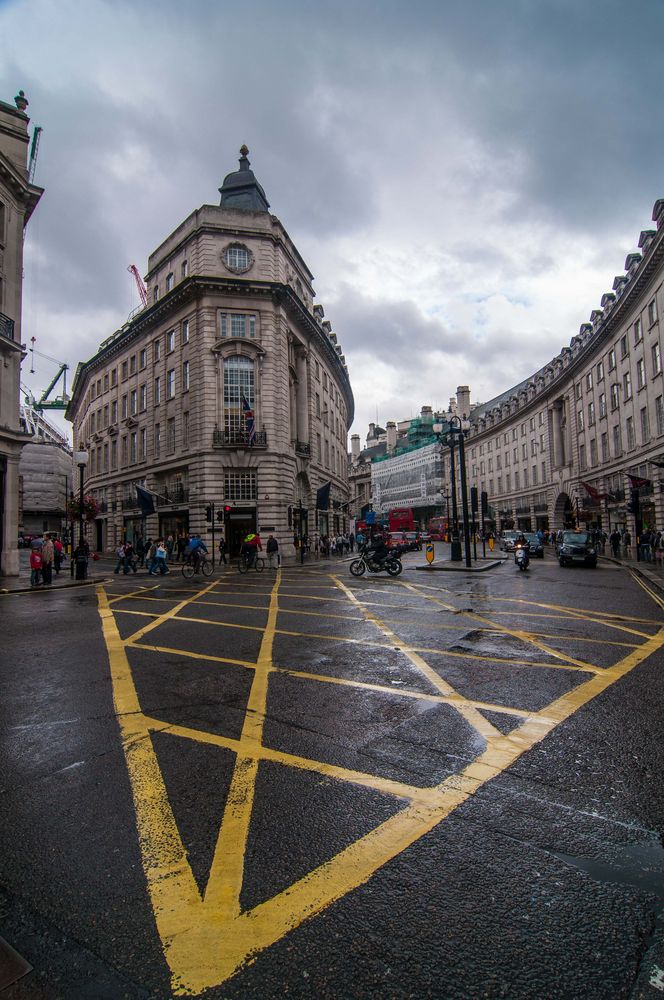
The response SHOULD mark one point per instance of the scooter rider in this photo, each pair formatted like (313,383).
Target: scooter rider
(521,542)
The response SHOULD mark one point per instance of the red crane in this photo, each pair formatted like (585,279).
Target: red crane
(142,290)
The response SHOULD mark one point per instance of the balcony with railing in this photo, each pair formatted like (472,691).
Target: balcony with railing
(170,496)
(237,439)
(302,448)
(6,327)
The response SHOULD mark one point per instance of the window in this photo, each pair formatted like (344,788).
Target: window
(240,485)
(532,423)
(105,383)
(156,350)
(591,414)
(238,382)
(124,449)
(106,458)
(652,312)
(319,450)
(155,293)
(541,442)
(125,370)
(645,426)
(593,452)
(534,475)
(170,435)
(523,430)
(114,454)
(114,377)
(317,405)
(640,373)
(617,441)
(143,396)
(589,380)
(170,281)
(516,480)
(170,383)
(656,359)
(638,332)
(142,358)
(602,405)
(185,376)
(132,365)
(133,445)
(582,457)
(631,436)
(185,268)
(624,347)
(125,410)
(237,258)
(659,414)
(237,325)
(133,402)
(157,390)
(515,455)
(92,423)
(185,429)
(114,411)
(524,450)
(106,415)
(508,482)
(578,390)
(580,424)
(600,371)
(185,332)
(144,444)
(170,341)
(157,440)
(612,359)
(615,396)
(627,386)
(605,447)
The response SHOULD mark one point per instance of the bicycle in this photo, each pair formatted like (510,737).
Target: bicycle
(189,567)
(244,567)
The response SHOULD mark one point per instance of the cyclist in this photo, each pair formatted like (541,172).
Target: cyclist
(197,550)
(251,546)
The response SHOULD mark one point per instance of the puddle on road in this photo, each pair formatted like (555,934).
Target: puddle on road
(640,866)
(495,643)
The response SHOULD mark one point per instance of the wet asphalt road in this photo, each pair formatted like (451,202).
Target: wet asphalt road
(306,785)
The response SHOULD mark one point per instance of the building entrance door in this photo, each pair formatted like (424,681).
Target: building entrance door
(238,523)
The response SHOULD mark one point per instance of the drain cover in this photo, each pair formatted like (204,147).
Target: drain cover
(12,966)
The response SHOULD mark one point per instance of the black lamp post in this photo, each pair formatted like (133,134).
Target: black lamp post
(454,434)
(81,459)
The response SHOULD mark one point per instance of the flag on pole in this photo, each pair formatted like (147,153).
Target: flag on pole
(249,422)
(145,500)
(594,493)
(636,482)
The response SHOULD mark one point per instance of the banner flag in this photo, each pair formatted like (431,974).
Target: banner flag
(249,421)
(145,501)
(636,482)
(323,496)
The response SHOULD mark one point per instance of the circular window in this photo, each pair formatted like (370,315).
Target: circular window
(237,258)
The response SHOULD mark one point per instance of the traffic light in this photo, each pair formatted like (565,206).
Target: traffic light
(221,514)
(227,509)
(208,513)
(633,505)
(485,503)
(473,499)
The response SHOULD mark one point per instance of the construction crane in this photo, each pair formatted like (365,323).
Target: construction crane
(142,290)
(34,149)
(44,403)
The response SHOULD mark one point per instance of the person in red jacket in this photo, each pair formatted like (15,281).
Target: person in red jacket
(36,566)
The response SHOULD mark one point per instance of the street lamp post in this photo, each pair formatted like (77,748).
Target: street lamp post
(81,459)
(464,492)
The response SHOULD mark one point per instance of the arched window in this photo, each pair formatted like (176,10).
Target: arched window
(238,386)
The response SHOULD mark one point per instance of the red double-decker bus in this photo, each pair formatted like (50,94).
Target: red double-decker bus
(401,519)
(438,528)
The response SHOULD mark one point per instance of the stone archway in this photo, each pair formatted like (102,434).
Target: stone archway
(563,512)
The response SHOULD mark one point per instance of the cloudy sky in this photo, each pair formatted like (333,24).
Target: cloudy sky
(464,180)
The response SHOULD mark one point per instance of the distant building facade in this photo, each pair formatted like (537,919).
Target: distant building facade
(229,387)
(18,199)
(557,449)
(46,476)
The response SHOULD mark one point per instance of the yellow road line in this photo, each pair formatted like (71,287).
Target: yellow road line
(649,591)
(195,656)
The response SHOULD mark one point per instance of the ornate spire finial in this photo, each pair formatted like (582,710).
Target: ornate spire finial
(21,100)
(244,149)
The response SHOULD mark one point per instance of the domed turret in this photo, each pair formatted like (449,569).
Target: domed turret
(241,190)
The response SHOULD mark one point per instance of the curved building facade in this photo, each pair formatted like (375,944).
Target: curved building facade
(571,443)
(227,388)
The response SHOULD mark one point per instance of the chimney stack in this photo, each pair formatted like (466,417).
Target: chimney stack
(391,429)
(355,447)
(463,401)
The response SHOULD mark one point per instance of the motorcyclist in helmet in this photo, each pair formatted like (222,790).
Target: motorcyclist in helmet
(521,542)
(377,550)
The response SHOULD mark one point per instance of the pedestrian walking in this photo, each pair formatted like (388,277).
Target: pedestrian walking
(120,564)
(222,550)
(614,539)
(58,554)
(35,567)
(272,549)
(47,554)
(627,544)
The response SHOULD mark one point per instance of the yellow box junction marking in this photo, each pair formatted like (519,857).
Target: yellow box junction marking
(206,938)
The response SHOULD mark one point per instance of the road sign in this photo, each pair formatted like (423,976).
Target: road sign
(429,552)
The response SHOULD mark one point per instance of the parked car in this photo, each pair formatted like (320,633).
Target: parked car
(507,540)
(577,547)
(536,546)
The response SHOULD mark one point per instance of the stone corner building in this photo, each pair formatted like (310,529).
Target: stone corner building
(227,387)
(18,200)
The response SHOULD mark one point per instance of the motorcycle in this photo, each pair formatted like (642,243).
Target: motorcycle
(521,557)
(391,563)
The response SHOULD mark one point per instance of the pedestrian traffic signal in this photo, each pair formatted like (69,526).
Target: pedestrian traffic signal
(221,514)
(208,513)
